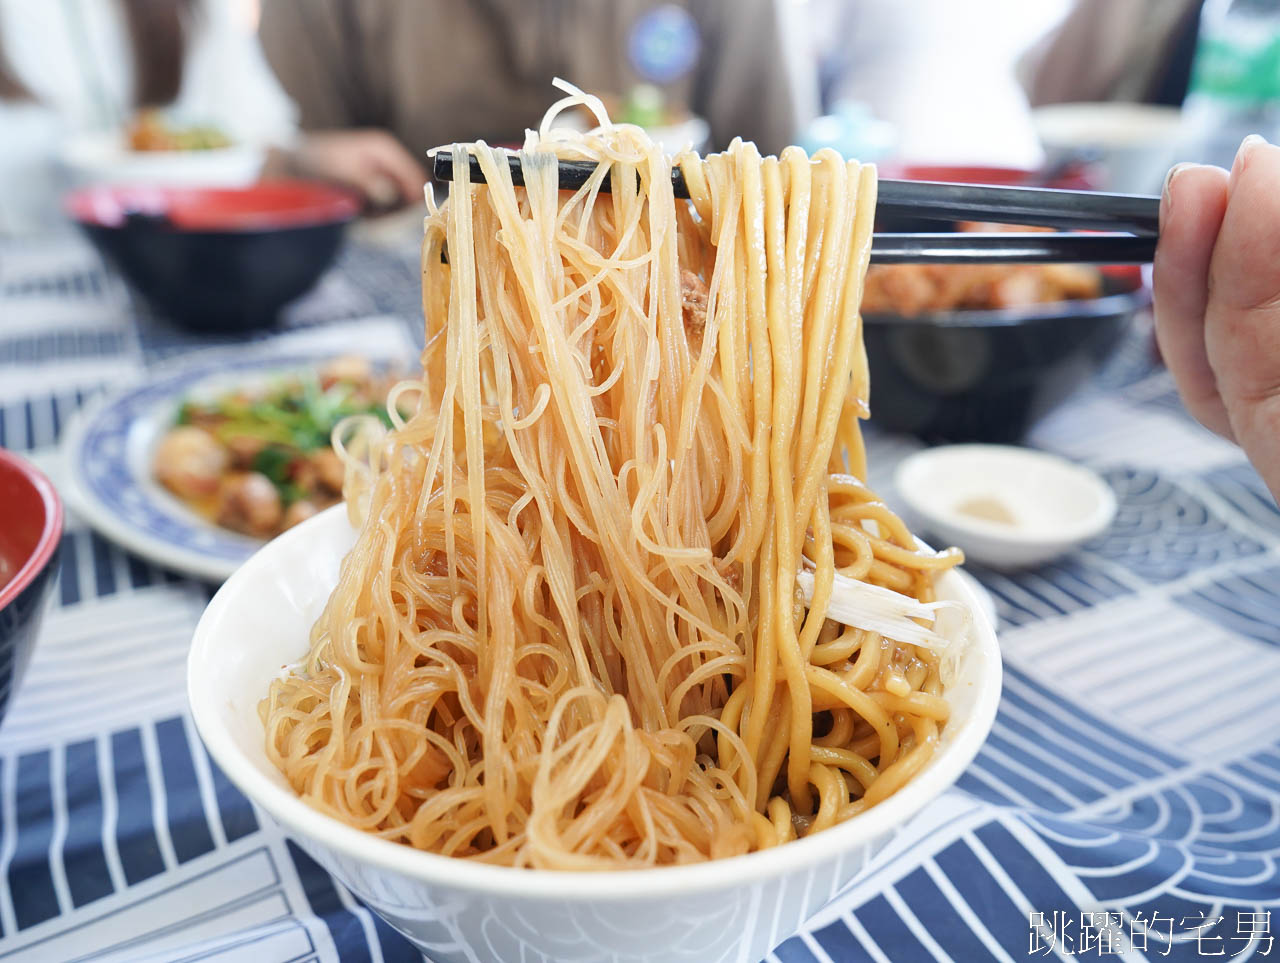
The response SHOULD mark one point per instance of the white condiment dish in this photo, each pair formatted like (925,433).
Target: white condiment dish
(455,910)
(1006,507)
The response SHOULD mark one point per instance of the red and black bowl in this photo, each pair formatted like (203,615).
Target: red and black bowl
(1077,175)
(217,259)
(30,536)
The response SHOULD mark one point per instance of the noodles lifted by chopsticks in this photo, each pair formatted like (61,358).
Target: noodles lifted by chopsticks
(570,634)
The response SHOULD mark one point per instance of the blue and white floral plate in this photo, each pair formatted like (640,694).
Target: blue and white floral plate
(108,450)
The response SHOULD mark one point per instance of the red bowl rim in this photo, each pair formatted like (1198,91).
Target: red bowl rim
(1077,177)
(204,210)
(49,535)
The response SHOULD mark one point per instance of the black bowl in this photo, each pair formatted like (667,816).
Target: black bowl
(990,375)
(218,259)
(30,537)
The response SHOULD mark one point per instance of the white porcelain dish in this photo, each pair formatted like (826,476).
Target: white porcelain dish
(454,910)
(105,158)
(1006,507)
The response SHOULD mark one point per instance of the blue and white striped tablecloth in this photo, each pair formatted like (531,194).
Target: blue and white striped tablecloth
(1127,804)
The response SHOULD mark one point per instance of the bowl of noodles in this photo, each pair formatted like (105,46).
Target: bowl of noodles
(611,653)
(735,908)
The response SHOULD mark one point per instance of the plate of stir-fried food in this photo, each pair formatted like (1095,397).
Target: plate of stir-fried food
(197,467)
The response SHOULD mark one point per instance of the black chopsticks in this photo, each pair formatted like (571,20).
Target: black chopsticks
(1131,220)
(1041,248)
(1038,206)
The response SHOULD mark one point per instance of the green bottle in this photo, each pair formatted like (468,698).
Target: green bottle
(1235,80)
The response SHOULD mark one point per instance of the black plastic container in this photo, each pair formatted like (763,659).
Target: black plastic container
(990,375)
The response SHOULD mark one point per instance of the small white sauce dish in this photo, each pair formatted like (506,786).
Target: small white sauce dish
(1007,507)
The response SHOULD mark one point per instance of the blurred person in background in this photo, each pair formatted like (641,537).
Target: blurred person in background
(940,73)
(1128,50)
(1216,59)
(435,72)
(88,66)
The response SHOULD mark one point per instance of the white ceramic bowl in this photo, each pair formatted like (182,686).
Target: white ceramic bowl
(1053,505)
(106,159)
(454,910)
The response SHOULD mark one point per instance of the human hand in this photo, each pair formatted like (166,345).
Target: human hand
(1217,298)
(371,161)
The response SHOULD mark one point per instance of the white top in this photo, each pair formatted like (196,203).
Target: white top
(75,57)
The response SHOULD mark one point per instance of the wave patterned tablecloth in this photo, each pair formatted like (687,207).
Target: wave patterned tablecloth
(1127,804)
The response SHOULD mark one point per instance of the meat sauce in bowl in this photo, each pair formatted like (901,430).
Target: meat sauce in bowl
(911,289)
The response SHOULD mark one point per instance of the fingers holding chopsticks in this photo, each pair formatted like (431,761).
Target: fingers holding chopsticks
(1217,287)
(1242,322)
(1191,213)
